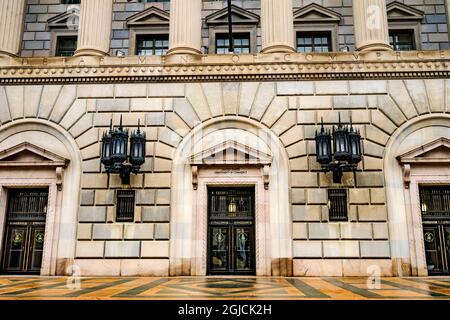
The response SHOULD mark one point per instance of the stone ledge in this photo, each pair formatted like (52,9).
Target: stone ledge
(295,66)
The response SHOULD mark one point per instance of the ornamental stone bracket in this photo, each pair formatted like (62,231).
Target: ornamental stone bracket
(230,155)
(434,153)
(259,67)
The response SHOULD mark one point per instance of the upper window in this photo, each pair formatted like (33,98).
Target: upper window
(314,42)
(241,43)
(151,44)
(402,40)
(147,1)
(71,1)
(66,46)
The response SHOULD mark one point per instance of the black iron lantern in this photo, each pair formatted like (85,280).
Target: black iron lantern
(137,149)
(346,153)
(340,142)
(119,146)
(354,138)
(323,145)
(115,151)
(106,147)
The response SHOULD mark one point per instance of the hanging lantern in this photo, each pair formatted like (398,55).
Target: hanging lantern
(119,146)
(346,147)
(354,138)
(323,146)
(114,152)
(340,142)
(137,149)
(106,148)
(232,207)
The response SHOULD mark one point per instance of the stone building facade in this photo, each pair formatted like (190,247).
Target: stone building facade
(225,121)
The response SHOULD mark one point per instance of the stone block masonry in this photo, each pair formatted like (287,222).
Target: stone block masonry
(37,36)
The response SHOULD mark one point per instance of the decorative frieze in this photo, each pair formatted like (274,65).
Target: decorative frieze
(338,66)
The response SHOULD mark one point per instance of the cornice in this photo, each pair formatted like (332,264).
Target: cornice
(203,68)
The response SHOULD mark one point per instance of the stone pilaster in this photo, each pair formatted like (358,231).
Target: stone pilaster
(185,27)
(94,34)
(277,26)
(371,25)
(11,26)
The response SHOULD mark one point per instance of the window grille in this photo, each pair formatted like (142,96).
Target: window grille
(125,206)
(337,205)
(27,204)
(435,202)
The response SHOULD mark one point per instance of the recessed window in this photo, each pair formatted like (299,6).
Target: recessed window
(66,46)
(337,205)
(241,43)
(402,40)
(314,42)
(71,1)
(125,206)
(151,45)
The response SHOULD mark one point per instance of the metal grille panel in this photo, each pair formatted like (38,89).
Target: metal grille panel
(125,206)
(231,203)
(27,204)
(435,202)
(337,205)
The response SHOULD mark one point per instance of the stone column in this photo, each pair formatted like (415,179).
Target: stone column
(11,26)
(94,34)
(371,25)
(277,26)
(185,27)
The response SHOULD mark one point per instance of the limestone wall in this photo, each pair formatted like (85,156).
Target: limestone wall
(168,112)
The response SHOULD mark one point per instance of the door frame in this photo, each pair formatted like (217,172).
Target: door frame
(210,178)
(415,223)
(49,254)
(231,234)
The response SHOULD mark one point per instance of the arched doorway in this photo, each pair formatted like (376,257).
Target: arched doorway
(39,159)
(231,153)
(409,168)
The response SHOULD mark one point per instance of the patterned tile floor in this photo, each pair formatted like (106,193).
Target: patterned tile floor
(190,288)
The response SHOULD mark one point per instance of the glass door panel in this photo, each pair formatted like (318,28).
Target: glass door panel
(15,250)
(219,251)
(36,248)
(243,248)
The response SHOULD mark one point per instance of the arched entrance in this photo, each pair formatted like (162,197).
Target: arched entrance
(39,159)
(231,153)
(411,164)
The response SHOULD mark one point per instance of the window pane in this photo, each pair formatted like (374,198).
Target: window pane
(402,40)
(313,41)
(66,46)
(152,44)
